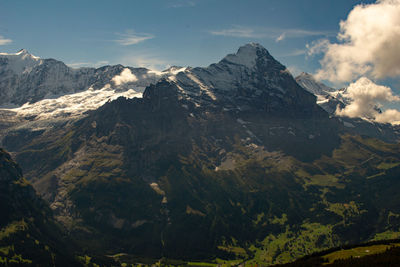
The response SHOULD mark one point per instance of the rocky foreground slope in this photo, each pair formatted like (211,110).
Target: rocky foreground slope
(29,236)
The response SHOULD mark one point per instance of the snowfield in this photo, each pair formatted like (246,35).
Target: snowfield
(72,105)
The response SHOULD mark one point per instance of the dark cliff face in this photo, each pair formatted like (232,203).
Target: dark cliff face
(30,235)
(9,171)
(18,198)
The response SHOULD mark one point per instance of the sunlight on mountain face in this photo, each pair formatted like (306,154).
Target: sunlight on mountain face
(73,105)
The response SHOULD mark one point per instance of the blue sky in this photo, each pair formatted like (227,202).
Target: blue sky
(158,33)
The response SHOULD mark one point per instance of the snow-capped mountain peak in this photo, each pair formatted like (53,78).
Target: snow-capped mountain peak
(247,55)
(249,78)
(19,62)
(22,51)
(308,82)
(328,98)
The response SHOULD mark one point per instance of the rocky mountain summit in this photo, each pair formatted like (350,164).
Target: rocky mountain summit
(250,78)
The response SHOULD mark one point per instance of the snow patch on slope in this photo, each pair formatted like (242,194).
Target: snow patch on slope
(202,86)
(72,105)
(170,71)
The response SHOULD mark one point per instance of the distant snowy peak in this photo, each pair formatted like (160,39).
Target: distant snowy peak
(308,82)
(25,53)
(21,53)
(247,55)
(327,97)
(19,62)
(174,70)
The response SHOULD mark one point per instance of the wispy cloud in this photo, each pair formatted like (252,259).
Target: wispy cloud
(4,41)
(294,70)
(273,33)
(88,64)
(294,53)
(145,59)
(298,33)
(150,62)
(317,47)
(131,37)
(182,3)
(237,31)
(280,37)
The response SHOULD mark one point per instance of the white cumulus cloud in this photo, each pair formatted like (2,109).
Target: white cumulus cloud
(368,44)
(365,96)
(389,116)
(125,76)
(131,37)
(4,41)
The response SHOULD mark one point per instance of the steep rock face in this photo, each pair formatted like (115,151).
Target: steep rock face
(28,233)
(308,82)
(17,196)
(251,78)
